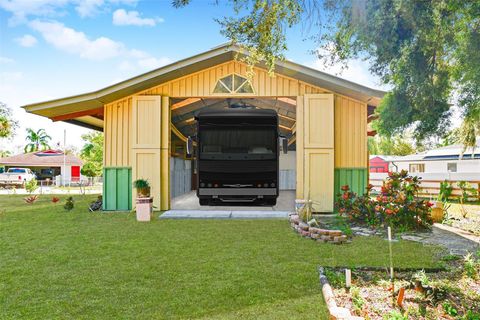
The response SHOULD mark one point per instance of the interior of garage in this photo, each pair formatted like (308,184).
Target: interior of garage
(182,168)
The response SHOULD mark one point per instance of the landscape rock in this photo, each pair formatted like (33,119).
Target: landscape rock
(340,239)
(303,226)
(411,238)
(305,233)
(315,235)
(295,218)
(314,230)
(335,233)
(363,234)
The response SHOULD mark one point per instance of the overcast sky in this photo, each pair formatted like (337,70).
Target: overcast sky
(55,48)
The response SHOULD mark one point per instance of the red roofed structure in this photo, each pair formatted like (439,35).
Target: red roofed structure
(46,164)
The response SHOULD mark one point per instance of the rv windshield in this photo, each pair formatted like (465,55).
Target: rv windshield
(247,142)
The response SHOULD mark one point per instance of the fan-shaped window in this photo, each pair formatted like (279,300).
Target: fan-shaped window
(233,84)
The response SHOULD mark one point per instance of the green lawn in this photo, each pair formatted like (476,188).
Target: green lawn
(80,265)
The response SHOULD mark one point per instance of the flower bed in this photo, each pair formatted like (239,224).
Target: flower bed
(451,294)
(397,205)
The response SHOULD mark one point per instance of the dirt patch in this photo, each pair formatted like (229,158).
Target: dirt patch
(449,294)
(465,217)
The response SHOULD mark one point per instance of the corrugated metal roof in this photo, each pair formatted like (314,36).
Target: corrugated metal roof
(386,158)
(452,152)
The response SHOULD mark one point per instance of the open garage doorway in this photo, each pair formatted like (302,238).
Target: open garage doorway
(183,175)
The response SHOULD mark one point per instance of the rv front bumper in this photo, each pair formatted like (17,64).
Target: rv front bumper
(237,191)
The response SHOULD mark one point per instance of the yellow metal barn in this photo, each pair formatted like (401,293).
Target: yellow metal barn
(146,120)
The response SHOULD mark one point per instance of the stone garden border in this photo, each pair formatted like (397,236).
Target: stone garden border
(341,313)
(320,235)
(335,312)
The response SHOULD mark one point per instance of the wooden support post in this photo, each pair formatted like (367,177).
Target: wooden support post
(165,155)
(300,151)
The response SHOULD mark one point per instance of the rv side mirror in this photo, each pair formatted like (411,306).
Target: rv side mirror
(189,146)
(285,145)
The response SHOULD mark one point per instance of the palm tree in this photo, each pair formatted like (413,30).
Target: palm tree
(36,139)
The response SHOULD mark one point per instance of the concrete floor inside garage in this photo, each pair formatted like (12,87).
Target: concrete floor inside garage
(189,201)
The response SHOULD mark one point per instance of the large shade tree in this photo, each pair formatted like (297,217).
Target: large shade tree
(92,154)
(37,140)
(428,51)
(7,123)
(396,145)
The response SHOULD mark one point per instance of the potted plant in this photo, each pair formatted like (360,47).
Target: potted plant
(143,188)
(437,213)
(144,202)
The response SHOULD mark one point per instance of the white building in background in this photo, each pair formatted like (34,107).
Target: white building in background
(47,165)
(441,160)
(435,166)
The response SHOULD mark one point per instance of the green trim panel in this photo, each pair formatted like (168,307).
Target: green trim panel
(356,178)
(117,189)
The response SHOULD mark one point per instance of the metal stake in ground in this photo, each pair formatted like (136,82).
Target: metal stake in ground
(391,264)
(348,279)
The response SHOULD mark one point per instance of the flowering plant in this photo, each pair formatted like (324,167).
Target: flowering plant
(396,205)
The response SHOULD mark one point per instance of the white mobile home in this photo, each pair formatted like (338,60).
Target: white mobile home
(441,160)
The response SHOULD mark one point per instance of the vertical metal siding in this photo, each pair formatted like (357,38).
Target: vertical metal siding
(355,178)
(117,133)
(180,176)
(287,180)
(117,189)
(350,133)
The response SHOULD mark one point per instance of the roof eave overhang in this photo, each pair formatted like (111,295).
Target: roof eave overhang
(329,82)
(131,86)
(84,124)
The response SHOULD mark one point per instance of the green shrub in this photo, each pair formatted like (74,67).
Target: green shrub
(335,278)
(467,191)
(471,266)
(357,301)
(69,204)
(449,309)
(446,190)
(358,208)
(397,205)
(31,185)
(470,315)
